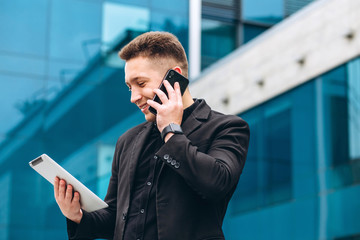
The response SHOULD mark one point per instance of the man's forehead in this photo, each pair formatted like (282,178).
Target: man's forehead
(143,69)
(135,77)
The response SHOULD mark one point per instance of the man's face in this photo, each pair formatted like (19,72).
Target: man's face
(142,77)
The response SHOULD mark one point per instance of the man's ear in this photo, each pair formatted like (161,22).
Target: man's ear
(178,69)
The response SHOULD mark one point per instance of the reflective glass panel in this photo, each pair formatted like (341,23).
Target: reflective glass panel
(268,172)
(251,31)
(119,19)
(335,107)
(340,88)
(24,26)
(246,196)
(19,98)
(277,162)
(217,40)
(73,23)
(263,11)
(353,93)
(174,23)
(180,6)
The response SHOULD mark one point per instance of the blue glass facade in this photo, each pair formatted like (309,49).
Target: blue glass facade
(230,24)
(301,179)
(63,93)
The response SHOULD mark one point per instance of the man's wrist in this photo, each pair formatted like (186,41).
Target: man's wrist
(168,136)
(170,130)
(78,218)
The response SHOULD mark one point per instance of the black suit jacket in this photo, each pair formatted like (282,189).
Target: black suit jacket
(199,174)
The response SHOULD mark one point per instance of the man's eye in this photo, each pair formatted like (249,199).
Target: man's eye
(141,84)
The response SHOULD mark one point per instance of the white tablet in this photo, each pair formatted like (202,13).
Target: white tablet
(49,169)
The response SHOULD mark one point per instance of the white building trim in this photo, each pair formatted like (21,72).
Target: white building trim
(194,38)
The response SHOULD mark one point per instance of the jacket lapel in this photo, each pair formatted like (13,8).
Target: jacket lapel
(194,121)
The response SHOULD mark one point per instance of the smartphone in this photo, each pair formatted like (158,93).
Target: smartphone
(171,76)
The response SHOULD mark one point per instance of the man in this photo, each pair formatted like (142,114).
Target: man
(164,184)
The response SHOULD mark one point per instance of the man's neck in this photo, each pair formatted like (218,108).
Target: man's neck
(187,99)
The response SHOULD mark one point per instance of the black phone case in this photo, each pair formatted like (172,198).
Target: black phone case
(171,76)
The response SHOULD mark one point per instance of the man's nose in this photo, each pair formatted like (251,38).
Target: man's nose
(135,96)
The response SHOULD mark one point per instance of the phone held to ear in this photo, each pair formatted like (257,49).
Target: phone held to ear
(171,76)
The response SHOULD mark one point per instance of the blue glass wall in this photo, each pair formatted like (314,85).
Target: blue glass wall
(63,93)
(302,179)
(226,25)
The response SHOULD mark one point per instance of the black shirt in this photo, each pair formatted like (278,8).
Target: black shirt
(141,218)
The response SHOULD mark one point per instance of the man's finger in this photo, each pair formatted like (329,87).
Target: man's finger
(170,90)
(153,104)
(76,197)
(69,193)
(178,92)
(162,96)
(56,187)
(62,188)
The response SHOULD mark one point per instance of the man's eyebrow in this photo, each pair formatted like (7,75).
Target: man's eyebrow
(127,82)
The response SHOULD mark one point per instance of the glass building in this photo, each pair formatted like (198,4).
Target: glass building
(303,166)
(63,93)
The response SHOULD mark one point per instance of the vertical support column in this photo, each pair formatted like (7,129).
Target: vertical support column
(321,162)
(353,69)
(194,38)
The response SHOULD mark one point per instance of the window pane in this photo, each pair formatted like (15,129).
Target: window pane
(339,129)
(72,24)
(19,97)
(181,6)
(252,31)
(264,11)
(229,3)
(23,26)
(278,156)
(292,6)
(246,195)
(267,176)
(336,120)
(341,90)
(354,108)
(174,23)
(119,19)
(217,40)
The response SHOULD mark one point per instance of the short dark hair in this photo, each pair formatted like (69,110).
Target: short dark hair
(156,46)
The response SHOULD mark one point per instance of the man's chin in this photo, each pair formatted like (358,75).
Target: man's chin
(150,117)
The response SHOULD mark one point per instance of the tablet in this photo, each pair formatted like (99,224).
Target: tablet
(49,169)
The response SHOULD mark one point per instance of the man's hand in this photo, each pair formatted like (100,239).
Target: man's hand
(68,201)
(171,110)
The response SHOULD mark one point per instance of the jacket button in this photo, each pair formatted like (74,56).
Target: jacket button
(173,162)
(166,156)
(124,216)
(169,160)
(177,165)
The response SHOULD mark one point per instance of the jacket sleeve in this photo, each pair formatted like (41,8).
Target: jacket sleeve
(100,223)
(215,173)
